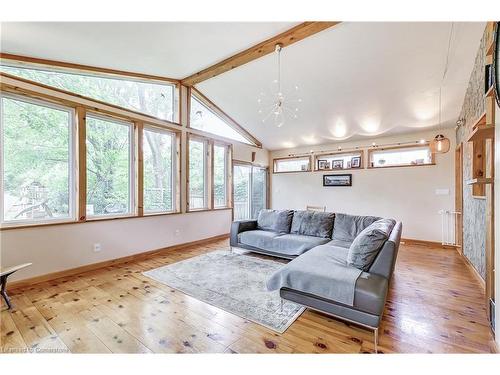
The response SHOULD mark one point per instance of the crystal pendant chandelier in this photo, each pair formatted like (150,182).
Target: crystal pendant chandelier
(275,108)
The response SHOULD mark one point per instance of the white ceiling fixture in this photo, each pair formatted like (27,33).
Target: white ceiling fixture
(277,106)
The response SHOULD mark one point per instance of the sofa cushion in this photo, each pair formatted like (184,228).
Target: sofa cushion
(312,223)
(260,239)
(319,272)
(367,244)
(296,244)
(275,220)
(347,227)
(340,243)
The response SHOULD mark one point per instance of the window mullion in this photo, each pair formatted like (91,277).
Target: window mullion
(210,174)
(139,166)
(82,163)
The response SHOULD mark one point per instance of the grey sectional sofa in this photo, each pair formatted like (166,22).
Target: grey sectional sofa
(321,274)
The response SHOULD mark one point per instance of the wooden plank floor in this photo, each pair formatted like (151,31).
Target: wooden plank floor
(435,305)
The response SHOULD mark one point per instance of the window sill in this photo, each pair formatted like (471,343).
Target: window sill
(164,213)
(208,209)
(11,226)
(91,220)
(292,172)
(403,166)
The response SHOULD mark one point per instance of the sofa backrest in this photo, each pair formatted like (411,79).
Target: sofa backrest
(275,220)
(347,227)
(385,261)
(313,223)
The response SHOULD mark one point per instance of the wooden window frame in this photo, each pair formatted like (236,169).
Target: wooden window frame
(375,149)
(228,149)
(176,152)
(317,157)
(80,111)
(72,160)
(276,160)
(210,143)
(134,130)
(208,195)
(57,66)
(222,115)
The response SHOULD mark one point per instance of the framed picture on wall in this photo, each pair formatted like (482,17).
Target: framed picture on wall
(337,164)
(337,180)
(356,162)
(323,164)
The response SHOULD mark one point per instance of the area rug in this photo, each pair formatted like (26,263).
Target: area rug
(233,282)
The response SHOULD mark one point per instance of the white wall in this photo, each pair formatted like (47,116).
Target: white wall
(406,194)
(60,247)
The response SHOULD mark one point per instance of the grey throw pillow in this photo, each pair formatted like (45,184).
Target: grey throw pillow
(368,243)
(311,223)
(275,220)
(347,227)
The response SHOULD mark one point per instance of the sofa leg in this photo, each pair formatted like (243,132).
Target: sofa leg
(375,339)
(281,304)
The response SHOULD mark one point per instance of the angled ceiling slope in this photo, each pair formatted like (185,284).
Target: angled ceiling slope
(169,49)
(356,80)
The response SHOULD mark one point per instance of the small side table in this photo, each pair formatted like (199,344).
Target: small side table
(4,274)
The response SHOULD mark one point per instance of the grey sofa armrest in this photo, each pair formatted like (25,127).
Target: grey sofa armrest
(385,261)
(238,227)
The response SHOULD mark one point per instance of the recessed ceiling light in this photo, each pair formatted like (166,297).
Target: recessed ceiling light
(339,130)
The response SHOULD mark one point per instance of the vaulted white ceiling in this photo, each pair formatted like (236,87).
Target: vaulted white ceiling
(170,49)
(355,80)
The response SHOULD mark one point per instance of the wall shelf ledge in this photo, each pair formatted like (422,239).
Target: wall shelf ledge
(481,132)
(480,181)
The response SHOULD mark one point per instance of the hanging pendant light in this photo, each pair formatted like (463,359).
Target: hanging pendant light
(440,144)
(274,107)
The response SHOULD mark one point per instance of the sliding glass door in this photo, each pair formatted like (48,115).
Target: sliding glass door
(250,191)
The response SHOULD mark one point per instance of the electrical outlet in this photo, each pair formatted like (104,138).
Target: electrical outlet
(97,247)
(177,232)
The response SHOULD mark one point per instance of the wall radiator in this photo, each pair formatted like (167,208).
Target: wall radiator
(448,227)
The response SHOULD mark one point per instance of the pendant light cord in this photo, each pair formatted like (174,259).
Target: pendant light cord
(279,70)
(445,70)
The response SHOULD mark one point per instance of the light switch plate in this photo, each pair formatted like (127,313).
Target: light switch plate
(442,191)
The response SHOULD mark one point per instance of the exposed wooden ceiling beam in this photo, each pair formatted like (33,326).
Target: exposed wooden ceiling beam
(81,68)
(266,47)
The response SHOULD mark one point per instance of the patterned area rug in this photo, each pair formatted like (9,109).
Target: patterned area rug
(233,282)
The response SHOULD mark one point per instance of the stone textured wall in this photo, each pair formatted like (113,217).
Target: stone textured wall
(474,210)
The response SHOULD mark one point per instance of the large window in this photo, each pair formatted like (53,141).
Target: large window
(292,164)
(198,176)
(401,156)
(203,118)
(36,161)
(159,170)
(146,97)
(109,167)
(220,176)
(250,191)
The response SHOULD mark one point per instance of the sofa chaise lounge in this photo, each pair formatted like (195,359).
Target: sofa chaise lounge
(319,245)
